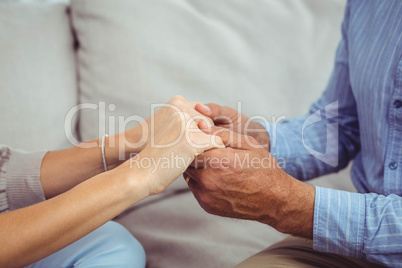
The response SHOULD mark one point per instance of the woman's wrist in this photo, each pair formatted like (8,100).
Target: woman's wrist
(134,140)
(122,146)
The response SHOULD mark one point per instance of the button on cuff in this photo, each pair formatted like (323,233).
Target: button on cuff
(393,165)
(398,104)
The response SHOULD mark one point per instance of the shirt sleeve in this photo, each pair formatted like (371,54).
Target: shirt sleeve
(365,226)
(20,184)
(327,137)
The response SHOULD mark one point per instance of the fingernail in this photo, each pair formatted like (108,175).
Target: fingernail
(206,107)
(207,123)
(219,142)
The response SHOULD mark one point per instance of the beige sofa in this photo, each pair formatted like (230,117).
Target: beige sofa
(117,57)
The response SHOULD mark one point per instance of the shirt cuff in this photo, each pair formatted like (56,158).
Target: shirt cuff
(276,139)
(280,148)
(23,179)
(339,220)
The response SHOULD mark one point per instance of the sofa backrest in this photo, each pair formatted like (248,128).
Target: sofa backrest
(38,83)
(273,57)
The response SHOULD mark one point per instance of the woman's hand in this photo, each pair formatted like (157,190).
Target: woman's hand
(124,145)
(173,144)
(83,199)
(82,162)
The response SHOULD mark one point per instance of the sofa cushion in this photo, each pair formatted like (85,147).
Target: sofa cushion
(37,75)
(272,57)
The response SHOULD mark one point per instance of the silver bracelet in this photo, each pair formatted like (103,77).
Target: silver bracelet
(103,151)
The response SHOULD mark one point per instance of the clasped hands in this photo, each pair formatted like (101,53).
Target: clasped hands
(243,180)
(232,171)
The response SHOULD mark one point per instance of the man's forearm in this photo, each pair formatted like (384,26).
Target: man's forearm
(295,212)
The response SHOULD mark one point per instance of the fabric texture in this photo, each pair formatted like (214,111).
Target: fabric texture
(363,101)
(273,56)
(37,75)
(20,184)
(136,53)
(299,252)
(109,246)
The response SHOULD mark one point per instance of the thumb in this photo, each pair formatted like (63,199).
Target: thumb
(228,137)
(208,140)
(203,109)
(219,114)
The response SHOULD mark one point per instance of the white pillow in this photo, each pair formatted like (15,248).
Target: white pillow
(272,56)
(37,75)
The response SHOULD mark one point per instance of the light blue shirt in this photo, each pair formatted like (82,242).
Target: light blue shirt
(361,113)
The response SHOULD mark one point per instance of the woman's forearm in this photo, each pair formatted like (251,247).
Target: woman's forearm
(63,169)
(34,232)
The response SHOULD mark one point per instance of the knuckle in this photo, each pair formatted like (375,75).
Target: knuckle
(222,132)
(207,207)
(252,139)
(203,198)
(178,100)
(210,187)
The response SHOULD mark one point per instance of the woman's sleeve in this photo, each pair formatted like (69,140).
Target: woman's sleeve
(20,184)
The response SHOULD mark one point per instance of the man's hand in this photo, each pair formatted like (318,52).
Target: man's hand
(229,118)
(245,182)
